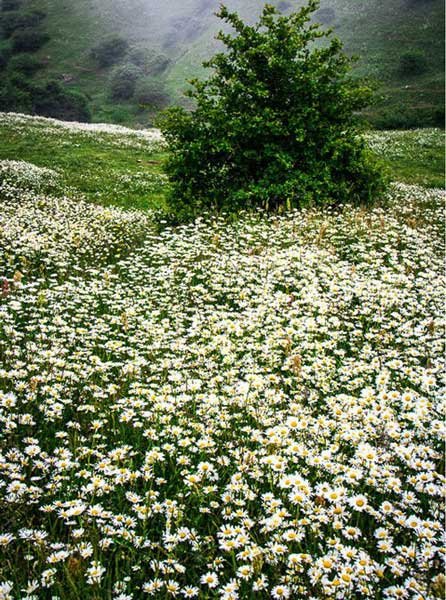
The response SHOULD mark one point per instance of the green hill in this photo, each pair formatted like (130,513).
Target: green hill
(400,44)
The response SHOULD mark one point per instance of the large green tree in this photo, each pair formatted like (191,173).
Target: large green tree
(274,124)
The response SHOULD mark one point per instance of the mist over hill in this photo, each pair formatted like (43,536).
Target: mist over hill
(167,42)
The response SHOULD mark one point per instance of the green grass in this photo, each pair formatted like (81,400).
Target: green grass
(415,156)
(378,32)
(95,166)
(120,171)
(185,406)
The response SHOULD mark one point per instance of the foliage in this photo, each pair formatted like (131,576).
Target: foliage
(274,123)
(123,81)
(8,5)
(5,55)
(138,57)
(19,93)
(52,100)
(110,51)
(401,116)
(151,94)
(25,63)
(15,20)
(158,64)
(28,40)
(413,63)
(13,97)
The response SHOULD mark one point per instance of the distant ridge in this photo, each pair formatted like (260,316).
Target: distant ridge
(176,36)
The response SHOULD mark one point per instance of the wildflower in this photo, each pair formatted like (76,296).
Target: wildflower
(95,572)
(359,503)
(210,579)
(280,591)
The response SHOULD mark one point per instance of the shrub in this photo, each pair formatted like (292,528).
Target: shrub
(5,55)
(439,116)
(413,63)
(14,20)
(138,57)
(51,99)
(401,116)
(274,123)
(28,40)
(123,82)
(20,80)
(151,94)
(110,51)
(9,23)
(8,5)
(25,63)
(13,98)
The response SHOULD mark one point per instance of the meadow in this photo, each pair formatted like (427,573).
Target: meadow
(227,409)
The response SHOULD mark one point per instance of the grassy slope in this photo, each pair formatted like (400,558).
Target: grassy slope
(416,156)
(379,32)
(75,28)
(96,166)
(112,171)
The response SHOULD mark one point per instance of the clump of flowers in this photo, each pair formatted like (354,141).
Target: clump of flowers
(24,175)
(102,132)
(221,410)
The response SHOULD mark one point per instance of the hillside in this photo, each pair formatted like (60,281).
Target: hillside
(400,44)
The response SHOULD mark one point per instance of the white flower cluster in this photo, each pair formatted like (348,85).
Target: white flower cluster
(222,410)
(25,175)
(394,144)
(114,134)
(44,236)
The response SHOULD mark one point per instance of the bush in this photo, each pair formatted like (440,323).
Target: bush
(8,5)
(5,55)
(25,63)
(158,64)
(138,57)
(413,63)
(14,20)
(274,124)
(401,116)
(110,51)
(151,94)
(123,82)
(53,100)
(439,116)
(9,23)
(114,114)
(28,40)
(13,98)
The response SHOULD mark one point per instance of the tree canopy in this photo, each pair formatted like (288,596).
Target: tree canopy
(274,123)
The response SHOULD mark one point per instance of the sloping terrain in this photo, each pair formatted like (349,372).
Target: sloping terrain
(177,36)
(246,409)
